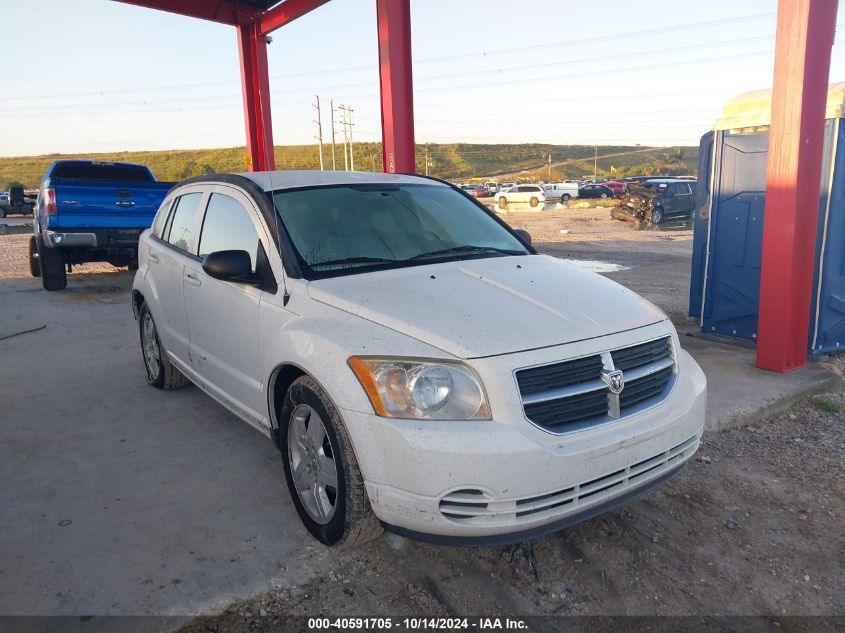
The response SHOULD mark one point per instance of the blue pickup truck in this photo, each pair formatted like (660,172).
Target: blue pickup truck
(91,211)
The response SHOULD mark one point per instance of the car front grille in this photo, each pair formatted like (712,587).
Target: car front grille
(575,394)
(477,507)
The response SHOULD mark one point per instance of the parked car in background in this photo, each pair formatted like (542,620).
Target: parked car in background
(91,211)
(595,191)
(374,326)
(506,185)
(562,190)
(492,187)
(657,202)
(15,202)
(617,187)
(532,194)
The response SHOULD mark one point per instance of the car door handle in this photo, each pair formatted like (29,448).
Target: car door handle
(124,203)
(193,279)
(153,258)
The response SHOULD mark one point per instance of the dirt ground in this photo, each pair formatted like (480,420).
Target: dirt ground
(752,525)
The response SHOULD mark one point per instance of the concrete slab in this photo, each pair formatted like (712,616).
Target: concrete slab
(739,393)
(118,498)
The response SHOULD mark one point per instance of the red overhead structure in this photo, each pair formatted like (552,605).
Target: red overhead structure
(255,19)
(397,86)
(805,31)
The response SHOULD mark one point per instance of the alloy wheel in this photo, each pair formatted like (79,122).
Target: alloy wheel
(312,464)
(150,347)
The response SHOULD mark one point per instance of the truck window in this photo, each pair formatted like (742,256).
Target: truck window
(180,227)
(101,171)
(228,227)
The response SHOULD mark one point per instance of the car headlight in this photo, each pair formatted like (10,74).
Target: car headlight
(421,389)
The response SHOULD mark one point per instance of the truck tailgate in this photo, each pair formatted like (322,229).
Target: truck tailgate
(106,204)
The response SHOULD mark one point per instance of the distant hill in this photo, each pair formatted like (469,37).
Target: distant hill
(453,160)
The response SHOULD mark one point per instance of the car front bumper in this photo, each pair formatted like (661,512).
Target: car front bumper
(492,482)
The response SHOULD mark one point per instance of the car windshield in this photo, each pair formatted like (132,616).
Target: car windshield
(344,229)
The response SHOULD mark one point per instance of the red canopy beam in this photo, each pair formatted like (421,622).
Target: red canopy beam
(805,30)
(286,13)
(255,84)
(397,87)
(223,11)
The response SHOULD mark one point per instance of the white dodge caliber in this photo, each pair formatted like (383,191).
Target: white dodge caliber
(419,366)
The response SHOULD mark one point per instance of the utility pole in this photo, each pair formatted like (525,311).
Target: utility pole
(426,161)
(596,163)
(334,154)
(319,122)
(346,120)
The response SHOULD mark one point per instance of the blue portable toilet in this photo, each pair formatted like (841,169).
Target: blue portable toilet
(728,237)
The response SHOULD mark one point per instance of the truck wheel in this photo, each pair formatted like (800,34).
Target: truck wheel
(321,470)
(503,202)
(534,201)
(656,215)
(133,264)
(34,265)
(2,212)
(161,373)
(52,265)
(565,197)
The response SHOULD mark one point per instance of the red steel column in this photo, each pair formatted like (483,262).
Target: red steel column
(805,30)
(397,86)
(255,84)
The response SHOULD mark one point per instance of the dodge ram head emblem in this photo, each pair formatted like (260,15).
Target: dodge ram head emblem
(615,381)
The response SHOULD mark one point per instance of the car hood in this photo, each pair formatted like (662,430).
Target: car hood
(491,306)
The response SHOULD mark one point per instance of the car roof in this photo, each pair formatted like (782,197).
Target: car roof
(293,178)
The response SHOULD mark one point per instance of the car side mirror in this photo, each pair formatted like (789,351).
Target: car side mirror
(229,266)
(524,235)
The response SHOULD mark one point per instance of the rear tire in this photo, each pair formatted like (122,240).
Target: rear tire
(604,196)
(52,266)
(565,197)
(2,212)
(161,373)
(503,202)
(34,265)
(328,490)
(534,201)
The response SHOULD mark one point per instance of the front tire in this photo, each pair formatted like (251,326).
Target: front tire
(34,265)
(161,373)
(503,202)
(534,201)
(656,215)
(52,266)
(604,196)
(565,197)
(321,469)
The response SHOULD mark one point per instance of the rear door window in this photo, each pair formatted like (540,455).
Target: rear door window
(179,230)
(228,227)
(683,189)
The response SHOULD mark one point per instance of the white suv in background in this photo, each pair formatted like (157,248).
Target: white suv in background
(419,366)
(532,194)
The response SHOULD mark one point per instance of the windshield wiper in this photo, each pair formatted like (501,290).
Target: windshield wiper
(352,260)
(467,248)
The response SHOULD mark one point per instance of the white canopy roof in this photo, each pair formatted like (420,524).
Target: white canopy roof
(754,109)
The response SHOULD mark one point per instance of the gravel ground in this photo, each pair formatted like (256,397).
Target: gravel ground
(752,526)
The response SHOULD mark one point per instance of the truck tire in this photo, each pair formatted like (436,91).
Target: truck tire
(534,201)
(34,265)
(565,197)
(51,262)
(2,212)
(328,490)
(161,373)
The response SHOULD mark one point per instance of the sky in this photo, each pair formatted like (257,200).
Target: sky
(97,75)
